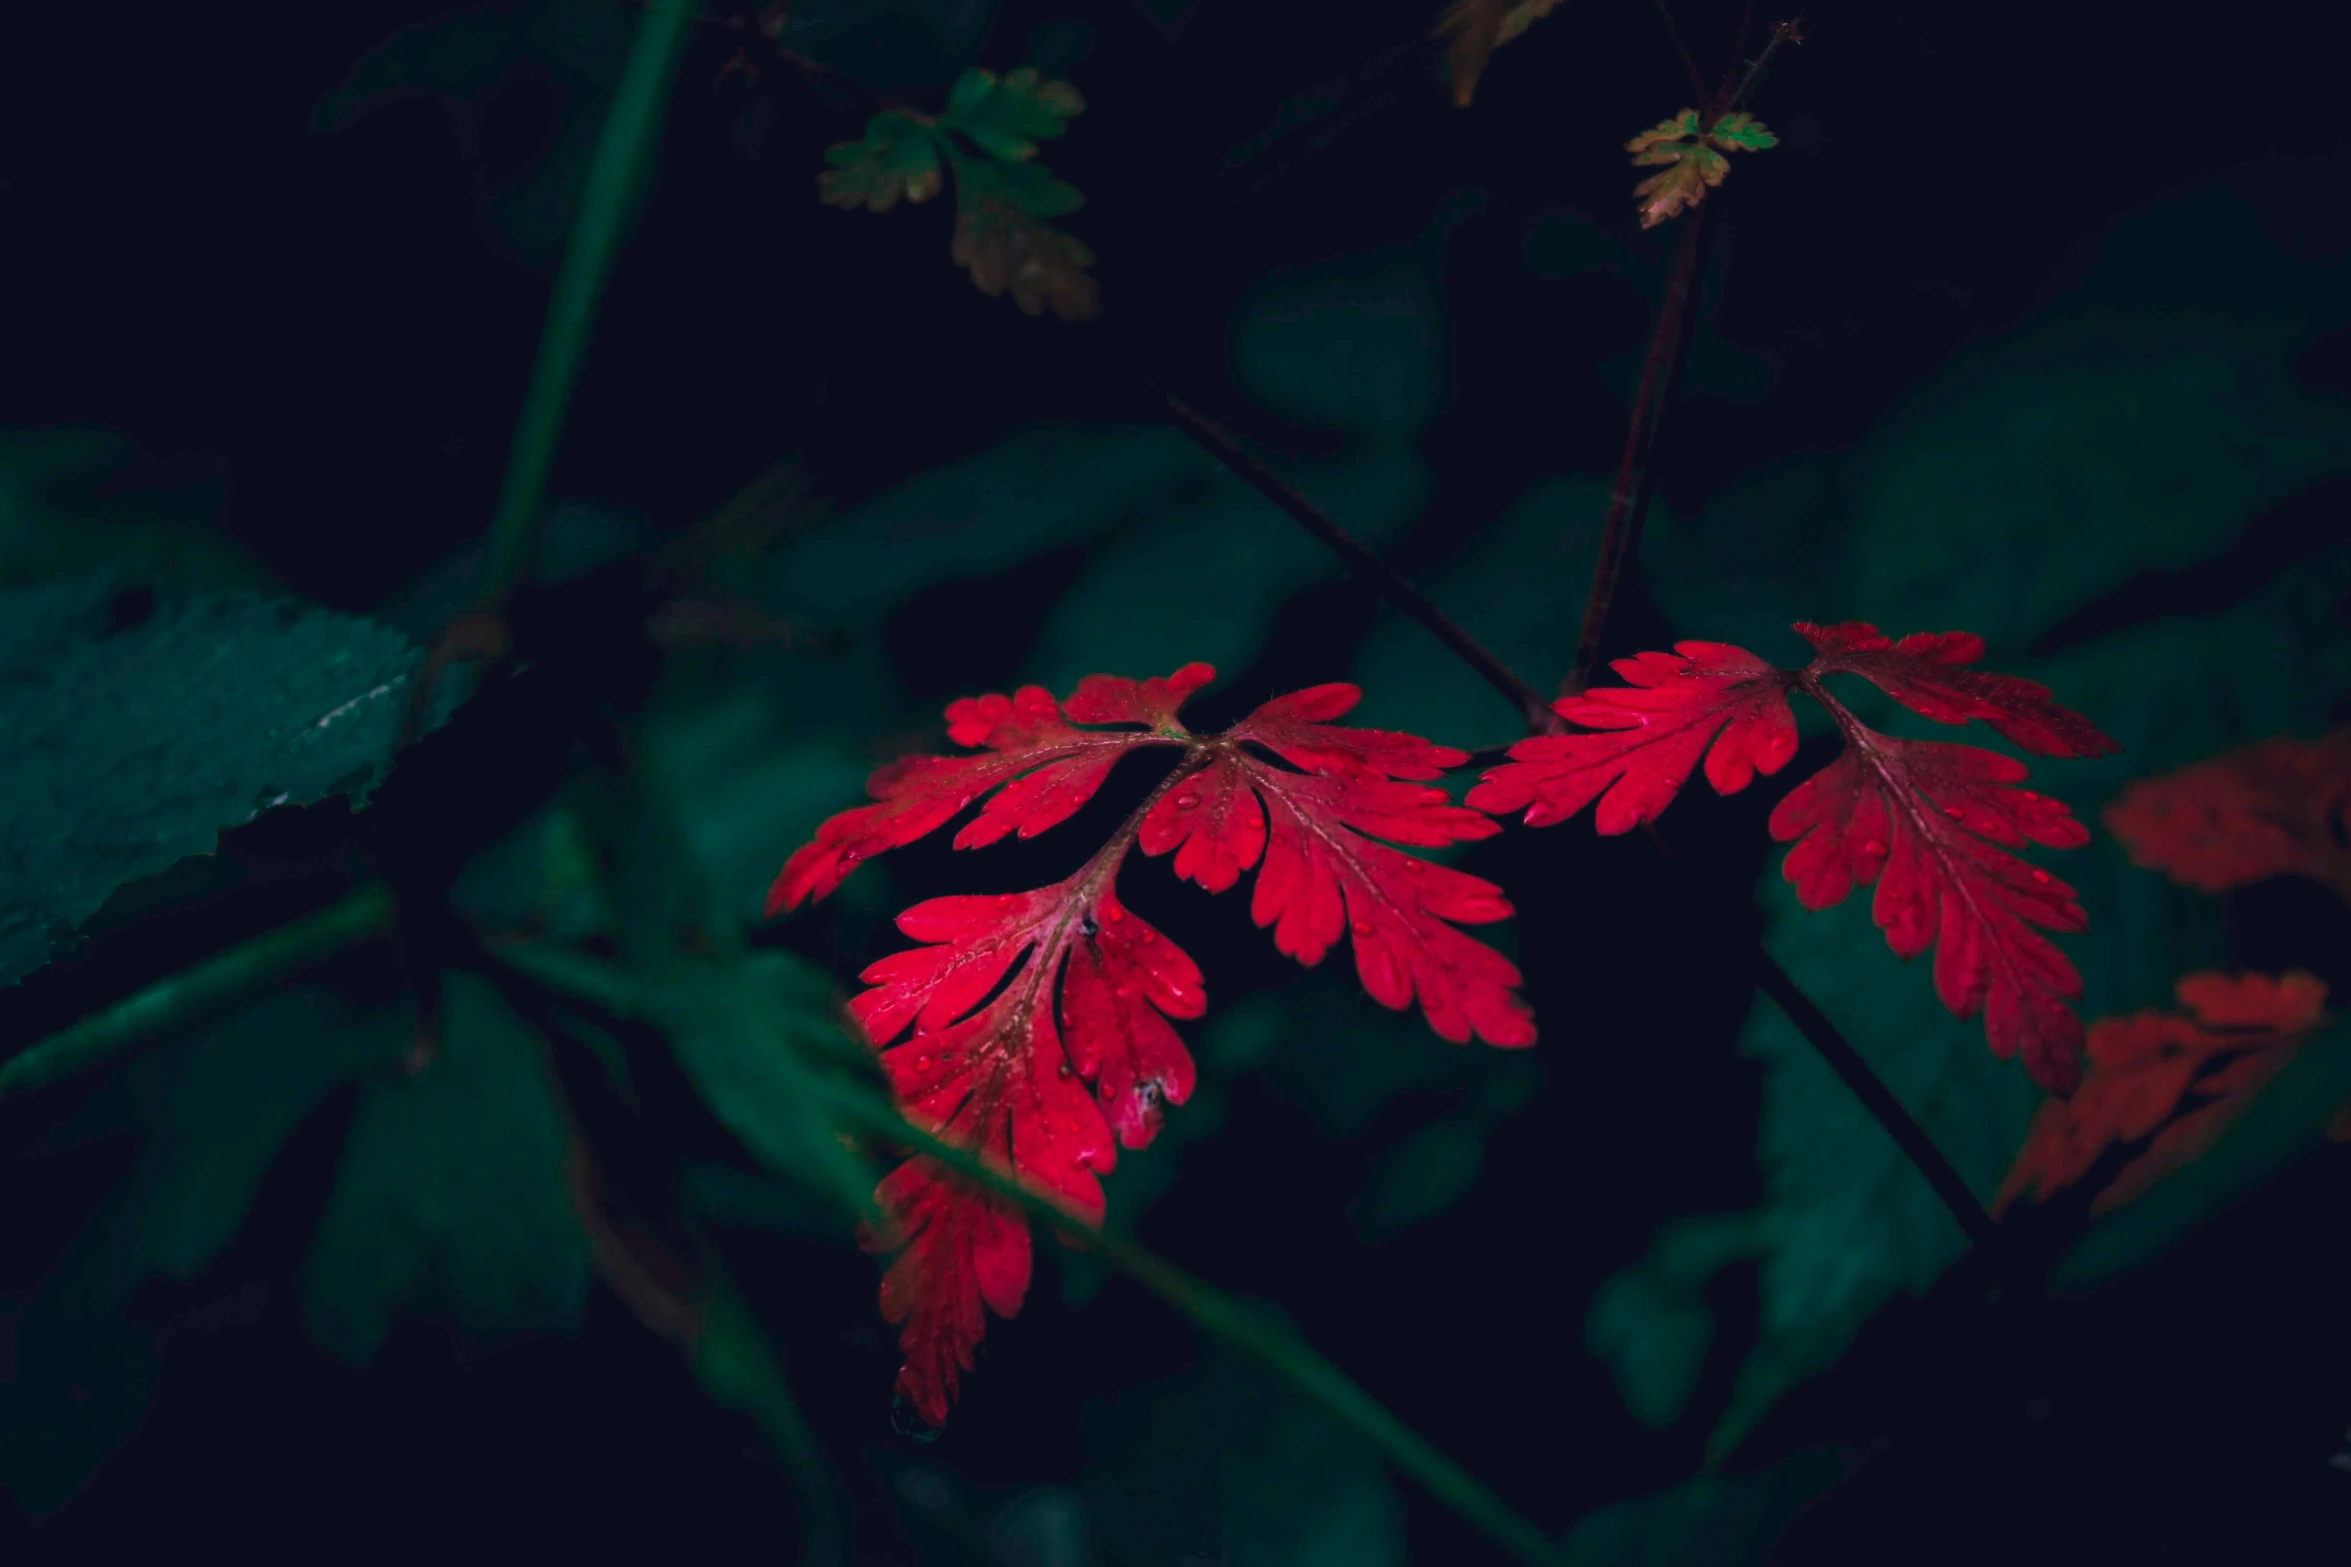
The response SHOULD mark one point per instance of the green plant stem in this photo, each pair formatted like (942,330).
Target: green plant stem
(1256,1333)
(203,991)
(864,1107)
(628,135)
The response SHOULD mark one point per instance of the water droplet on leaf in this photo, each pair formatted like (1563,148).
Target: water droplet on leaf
(1185,802)
(908,1422)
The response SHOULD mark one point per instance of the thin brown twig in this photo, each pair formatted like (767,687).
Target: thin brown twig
(1689,63)
(1628,498)
(1399,590)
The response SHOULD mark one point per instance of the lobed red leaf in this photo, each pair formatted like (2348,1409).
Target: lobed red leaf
(1042,1077)
(1922,820)
(1045,767)
(1927,672)
(1704,698)
(2279,808)
(2173,1080)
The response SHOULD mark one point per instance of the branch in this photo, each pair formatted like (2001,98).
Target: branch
(628,134)
(203,991)
(1628,500)
(1879,1100)
(1387,579)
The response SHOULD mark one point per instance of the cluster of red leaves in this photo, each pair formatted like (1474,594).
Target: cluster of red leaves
(2170,1080)
(1926,821)
(2279,808)
(1036,1025)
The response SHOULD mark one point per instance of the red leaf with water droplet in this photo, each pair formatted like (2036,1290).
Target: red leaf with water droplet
(1646,737)
(1036,1025)
(1040,1076)
(1325,874)
(1927,822)
(1041,766)
(1927,672)
(2279,808)
(2170,1080)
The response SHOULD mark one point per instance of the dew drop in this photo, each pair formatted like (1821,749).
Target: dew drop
(1415,867)
(908,1422)
(1144,938)
(1873,847)
(2041,877)
(1114,914)
(1126,992)
(1185,802)
(1955,813)
(922,1063)
(1363,927)
(2027,794)
(1006,900)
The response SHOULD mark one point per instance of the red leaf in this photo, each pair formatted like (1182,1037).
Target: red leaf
(1883,812)
(2279,808)
(1325,877)
(1927,673)
(2171,1080)
(1005,1072)
(1021,1003)
(1650,734)
(1914,816)
(1046,767)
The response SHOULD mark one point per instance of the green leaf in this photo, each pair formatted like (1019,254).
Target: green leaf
(1006,117)
(451,1203)
(1721,1520)
(1259,1480)
(75,500)
(207,1115)
(750,1035)
(1651,1323)
(129,749)
(897,157)
(1743,131)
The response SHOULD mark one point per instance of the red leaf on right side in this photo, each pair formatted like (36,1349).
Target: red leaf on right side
(2170,1079)
(1648,735)
(1927,822)
(2278,808)
(1927,672)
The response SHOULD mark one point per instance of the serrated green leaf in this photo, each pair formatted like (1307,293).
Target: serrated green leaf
(1006,117)
(130,749)
(451,1203)
(1743,131)
(897,157)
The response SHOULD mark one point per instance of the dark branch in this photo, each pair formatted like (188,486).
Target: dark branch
(1636,479)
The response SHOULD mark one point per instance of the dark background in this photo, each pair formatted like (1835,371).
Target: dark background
(328,326)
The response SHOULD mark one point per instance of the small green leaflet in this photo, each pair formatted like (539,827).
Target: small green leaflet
(131,747)
(1689,155)
(988,137)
